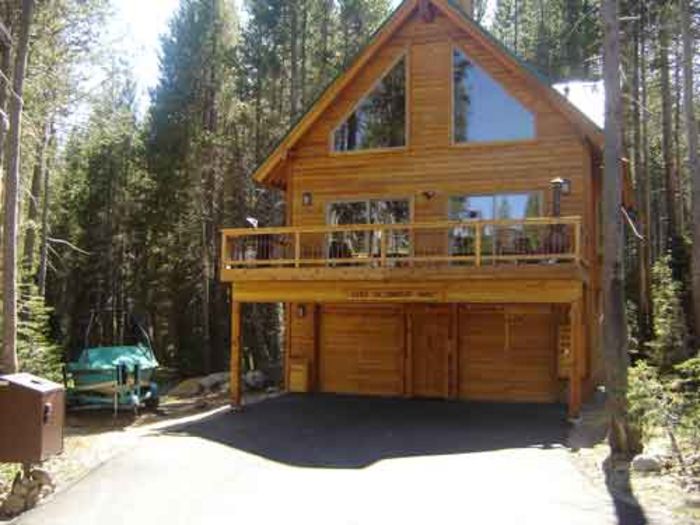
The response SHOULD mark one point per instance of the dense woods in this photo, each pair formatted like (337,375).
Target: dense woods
(121,211)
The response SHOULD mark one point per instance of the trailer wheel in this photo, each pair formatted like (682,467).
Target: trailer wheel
(152,403)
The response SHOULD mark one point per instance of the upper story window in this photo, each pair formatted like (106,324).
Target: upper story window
(367,243)
(504,238)
(514,206)
(379,120)
(482,110)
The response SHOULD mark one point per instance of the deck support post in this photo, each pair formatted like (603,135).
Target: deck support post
(576,320)
(235,367)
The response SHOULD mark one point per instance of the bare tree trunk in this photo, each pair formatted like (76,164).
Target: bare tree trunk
(325,32)
(516,25)
(34,197)
(258,106)
(302,58)
(671,190)
(682,215)
(207,194)
(5,63)
(46,202)
(646,198)
(294,80)
(693,157)
(642,182)
(8,363)
(615,352)
(206,295)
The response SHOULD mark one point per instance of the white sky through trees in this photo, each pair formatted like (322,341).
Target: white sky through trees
(136,26)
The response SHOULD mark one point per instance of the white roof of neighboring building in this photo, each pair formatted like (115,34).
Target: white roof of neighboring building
(588,97)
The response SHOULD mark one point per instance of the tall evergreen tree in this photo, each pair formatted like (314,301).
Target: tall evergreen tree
(561,38)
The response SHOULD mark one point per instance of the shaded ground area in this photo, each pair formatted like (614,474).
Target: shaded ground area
(344,460)
(355,432)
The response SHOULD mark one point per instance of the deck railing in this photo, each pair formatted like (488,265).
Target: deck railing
(545,240)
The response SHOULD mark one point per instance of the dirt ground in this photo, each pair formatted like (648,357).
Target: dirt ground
(659,494)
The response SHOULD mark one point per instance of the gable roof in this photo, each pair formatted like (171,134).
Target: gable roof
(268,173)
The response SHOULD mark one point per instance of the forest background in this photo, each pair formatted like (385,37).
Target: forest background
(120,210)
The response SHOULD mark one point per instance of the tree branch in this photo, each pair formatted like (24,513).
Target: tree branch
(66,243)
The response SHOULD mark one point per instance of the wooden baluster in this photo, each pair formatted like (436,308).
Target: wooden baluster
(383,246)
(478,244)
(577,241)
(297,249)
(225,254)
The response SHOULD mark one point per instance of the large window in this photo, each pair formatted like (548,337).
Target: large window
(500,206)
(359,244)
(496,206)
(379,120)
(482,110)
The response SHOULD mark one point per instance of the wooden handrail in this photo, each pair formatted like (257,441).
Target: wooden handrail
(249,242)
(280,230)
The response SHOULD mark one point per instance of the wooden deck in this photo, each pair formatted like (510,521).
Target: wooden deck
(531,248)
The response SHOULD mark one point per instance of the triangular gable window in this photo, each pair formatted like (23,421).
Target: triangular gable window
(379,120)
(482,110)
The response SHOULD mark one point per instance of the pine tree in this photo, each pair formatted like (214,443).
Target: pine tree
(9,363)
(561,38)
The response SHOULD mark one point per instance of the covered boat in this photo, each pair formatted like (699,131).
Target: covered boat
(117,376)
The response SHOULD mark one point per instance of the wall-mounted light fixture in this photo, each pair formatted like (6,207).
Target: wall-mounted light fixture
(560,187)
(563,184)
(306,199)
(301,311)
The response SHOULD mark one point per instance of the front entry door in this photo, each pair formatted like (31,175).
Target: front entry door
(430,333)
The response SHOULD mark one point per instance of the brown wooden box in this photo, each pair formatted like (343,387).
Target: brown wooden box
(32,413)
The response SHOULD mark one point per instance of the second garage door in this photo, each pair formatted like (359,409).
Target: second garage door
(362,349)
(507,353)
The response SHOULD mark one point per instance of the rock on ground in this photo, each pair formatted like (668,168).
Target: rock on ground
(693,501)
(26,492)
(255,379)
(646,463)
(12,506)
(42,477)
(200,385)
(187,388)
(214,381)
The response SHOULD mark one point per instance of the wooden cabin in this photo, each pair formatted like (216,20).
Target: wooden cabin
(442,226)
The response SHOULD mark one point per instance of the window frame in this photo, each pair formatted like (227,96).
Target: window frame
(540,192)
(451,116)
(404,54)
(367,201)
(493,195)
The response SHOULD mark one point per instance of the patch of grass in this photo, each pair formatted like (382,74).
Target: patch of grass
(7,473)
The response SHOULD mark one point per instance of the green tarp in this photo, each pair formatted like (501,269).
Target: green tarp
(110,356)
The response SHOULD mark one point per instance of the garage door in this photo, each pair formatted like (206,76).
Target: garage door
(362,349)
(507,353)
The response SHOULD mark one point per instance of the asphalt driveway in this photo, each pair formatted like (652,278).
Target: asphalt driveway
(346,460)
